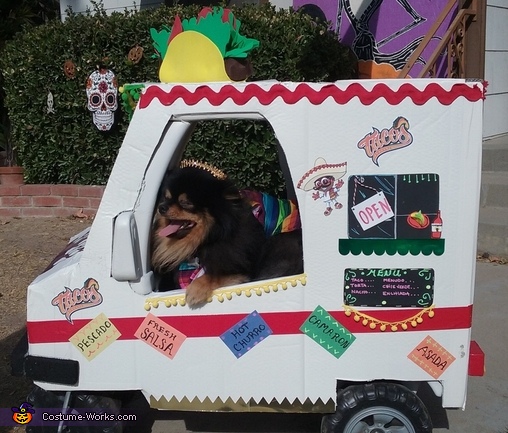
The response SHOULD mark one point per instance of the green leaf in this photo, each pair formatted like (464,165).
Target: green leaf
(212,27)
(160,40)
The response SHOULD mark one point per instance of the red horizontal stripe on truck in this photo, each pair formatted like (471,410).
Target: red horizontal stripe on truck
(281,323)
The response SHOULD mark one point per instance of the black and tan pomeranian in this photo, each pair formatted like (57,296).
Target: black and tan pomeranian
(205,228)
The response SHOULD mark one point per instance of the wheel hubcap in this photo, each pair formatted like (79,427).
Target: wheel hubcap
(379,419)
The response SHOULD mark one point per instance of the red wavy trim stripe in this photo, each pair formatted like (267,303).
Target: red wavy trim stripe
(59,331)
(315,97)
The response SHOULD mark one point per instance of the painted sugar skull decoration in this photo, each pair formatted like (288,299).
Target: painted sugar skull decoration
(101,91)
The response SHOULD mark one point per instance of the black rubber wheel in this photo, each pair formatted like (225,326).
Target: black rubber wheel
(378,408)
(99,403)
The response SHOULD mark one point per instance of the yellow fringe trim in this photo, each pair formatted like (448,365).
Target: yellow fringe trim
(373,323)
(221,295)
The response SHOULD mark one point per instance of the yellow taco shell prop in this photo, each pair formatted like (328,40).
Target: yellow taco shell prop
(199,60)
(199,49)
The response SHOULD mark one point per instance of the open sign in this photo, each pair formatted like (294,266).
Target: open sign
(373,211)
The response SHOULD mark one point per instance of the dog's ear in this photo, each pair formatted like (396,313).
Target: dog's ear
(233,197)
(232,194)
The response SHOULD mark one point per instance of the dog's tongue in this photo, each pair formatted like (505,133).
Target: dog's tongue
(169,230)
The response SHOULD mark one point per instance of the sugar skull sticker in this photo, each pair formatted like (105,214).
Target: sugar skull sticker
(101,92)
(324,180)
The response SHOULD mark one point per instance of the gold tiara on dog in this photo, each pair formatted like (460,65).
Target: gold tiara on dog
(214,171)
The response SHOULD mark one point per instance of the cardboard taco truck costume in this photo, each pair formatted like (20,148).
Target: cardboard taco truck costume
(385,301)
(386,178)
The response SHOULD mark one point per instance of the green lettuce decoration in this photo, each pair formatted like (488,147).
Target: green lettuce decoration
(160,41)
(217,24)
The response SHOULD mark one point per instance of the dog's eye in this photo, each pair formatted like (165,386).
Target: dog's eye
(185,204)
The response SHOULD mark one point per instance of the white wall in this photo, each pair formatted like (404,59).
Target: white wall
(496,69)
(282,3)
(79,6)
(109,5)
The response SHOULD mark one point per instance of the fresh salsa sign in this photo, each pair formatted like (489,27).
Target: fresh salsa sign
(160,336)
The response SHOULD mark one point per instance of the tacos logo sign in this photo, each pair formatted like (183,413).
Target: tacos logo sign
(377,142)
(69,301)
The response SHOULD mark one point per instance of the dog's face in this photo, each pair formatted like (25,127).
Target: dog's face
(191,201)
(180,217)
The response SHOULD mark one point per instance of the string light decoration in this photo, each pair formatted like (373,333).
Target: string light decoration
(373,323)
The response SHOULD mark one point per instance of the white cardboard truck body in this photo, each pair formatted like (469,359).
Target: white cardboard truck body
(371,273)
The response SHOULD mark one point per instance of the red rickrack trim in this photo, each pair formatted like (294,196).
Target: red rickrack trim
(242,96)
(485,85)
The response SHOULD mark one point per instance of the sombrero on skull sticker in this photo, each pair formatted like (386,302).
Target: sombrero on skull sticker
(325,180)
(321,169)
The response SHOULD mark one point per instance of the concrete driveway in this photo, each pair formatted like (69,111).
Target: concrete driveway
(487,402)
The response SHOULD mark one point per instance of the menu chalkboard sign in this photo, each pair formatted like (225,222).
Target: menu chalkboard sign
(389,287)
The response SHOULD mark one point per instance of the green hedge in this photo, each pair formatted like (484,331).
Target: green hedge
(66,147)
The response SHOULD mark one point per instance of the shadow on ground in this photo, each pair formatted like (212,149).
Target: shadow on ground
(13,390)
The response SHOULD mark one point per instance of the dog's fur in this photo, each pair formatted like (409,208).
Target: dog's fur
(216,225)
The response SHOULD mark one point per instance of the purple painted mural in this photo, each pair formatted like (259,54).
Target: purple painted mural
(384,33)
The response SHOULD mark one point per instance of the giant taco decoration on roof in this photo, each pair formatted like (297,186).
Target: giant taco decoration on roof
(206,48)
